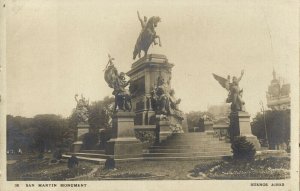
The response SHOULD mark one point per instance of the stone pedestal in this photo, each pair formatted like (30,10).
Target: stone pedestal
(163,129)
(240,126)
(143,75)
(82,129)
(123,144)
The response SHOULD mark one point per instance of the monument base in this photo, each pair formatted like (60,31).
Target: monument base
(82,129)
(240,126)
(124,144)
(124,148)
(164,130)
(76,146)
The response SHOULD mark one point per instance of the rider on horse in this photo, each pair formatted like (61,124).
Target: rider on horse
(147,35)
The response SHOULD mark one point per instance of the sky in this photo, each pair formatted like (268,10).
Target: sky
(56,49)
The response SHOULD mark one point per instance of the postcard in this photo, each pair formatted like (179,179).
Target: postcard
(149,95)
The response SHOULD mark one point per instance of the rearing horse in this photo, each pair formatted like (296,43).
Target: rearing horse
(147,37)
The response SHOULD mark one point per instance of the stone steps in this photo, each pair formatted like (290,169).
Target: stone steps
(91,155)
(184,146)
(191,154)
(177,142)
(178,150)
(96,160)
(189,145)
(93,151)
(182,158)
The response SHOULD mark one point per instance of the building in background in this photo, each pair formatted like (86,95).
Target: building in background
(278,100)
(278,94)
(221,120)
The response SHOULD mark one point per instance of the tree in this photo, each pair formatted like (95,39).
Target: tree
(193,118)
(19,133)
(51,132)
(101,114)
(277,126)
(38,133)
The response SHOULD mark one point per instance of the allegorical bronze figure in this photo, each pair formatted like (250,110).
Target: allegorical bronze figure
(164,100)
(234,92)
(82,109)
(118,83)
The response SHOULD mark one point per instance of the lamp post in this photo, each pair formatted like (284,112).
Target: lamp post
(263,111)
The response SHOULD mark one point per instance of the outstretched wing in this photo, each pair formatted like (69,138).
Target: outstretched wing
(111,75)
(222,81)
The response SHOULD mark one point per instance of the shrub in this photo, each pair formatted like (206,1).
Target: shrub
(145,136)
(243,149)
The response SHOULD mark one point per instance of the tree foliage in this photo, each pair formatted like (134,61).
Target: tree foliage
(193,118)
(43,132)
(19,133)
(277,126)
(52,132)
(101,113)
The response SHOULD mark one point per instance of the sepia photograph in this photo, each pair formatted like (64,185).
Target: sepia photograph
(149,95)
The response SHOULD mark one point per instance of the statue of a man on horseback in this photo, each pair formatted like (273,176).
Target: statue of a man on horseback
(147,35)
(118,83)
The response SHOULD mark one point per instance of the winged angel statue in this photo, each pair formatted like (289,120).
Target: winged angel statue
(234,92)
(118,83)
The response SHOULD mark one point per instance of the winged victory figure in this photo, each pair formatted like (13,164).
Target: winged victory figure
(234,92)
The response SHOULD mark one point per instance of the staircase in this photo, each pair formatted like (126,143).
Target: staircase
(179,146)
(97,156)
(189,146)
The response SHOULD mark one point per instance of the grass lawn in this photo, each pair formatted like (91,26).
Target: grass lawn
(267,168)
(151,170)
(32,168)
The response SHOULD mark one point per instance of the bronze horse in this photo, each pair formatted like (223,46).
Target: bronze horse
(147,37)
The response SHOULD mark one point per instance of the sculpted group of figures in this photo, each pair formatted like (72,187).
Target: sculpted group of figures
(82,109)
(118,83)
(163,100)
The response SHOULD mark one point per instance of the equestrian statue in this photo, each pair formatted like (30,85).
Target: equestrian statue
(147,35)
